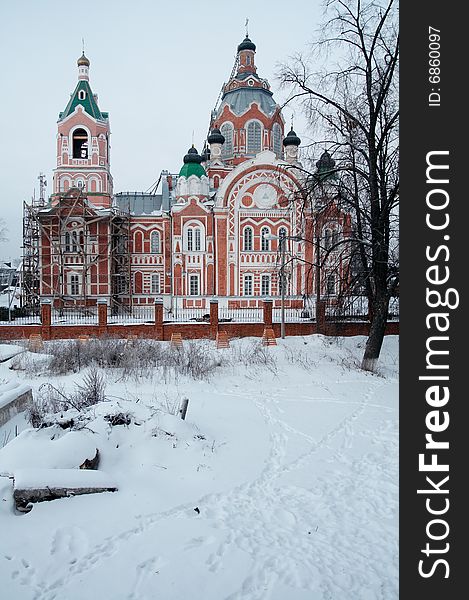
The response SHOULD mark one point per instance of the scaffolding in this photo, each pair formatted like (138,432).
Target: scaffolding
(30,267)
(68,234)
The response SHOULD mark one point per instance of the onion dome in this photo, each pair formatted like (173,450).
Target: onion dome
(325,166)
(192,164)
(83,61)
(291,139)
(205,155)
(216,137)
(192,156)
(325,163)
(246,44)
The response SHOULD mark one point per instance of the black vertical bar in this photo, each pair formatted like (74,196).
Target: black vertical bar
(433,217)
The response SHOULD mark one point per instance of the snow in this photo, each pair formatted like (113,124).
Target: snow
(9,350)
(11,390)
(292,467)
(46,450)
(31,479)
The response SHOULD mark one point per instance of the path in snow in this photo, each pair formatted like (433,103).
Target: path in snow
(316,523)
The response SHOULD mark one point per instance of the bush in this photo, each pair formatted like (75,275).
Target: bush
(51,400)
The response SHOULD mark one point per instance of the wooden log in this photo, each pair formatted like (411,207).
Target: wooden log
(183,409)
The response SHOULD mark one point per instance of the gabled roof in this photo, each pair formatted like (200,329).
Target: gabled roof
(89,103)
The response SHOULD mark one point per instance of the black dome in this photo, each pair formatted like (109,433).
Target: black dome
(292,139)
(216,137)
(246,44)
(192,156)
(205,156)
(325,163)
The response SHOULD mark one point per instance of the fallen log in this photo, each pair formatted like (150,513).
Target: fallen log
(42,485)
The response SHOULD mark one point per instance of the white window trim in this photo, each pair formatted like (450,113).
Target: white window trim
(191,277)
(245,228)
(155,279)
(155,234)
(245,277)
(266,277)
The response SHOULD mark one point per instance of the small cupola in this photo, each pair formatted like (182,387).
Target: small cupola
(290,143)
(325,167)
(83,68)
(246,51)
(192,164)
(291,139)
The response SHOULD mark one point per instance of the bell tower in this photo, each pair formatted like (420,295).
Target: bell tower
(83,143)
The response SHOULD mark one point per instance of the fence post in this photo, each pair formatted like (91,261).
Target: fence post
(267,305)
(321,316)
(213,318)
(46,318)
(159,331)
(102,315)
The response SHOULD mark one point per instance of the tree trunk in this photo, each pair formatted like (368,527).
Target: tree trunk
(379,311)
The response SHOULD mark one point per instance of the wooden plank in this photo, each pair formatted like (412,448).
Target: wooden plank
(223,341)
(176,340)
(268,337)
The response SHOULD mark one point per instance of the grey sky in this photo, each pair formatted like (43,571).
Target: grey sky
(157,67)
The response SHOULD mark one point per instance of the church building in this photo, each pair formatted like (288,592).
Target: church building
(215,228)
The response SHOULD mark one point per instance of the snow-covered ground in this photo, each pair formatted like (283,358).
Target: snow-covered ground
(292,467)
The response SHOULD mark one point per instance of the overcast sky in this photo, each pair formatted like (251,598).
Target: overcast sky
(157,67)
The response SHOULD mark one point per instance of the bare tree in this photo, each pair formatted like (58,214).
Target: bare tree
(3,231)
(355,105)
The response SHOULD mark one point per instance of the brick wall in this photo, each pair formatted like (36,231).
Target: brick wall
(187,330)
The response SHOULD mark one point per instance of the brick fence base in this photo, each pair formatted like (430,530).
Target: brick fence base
(187,330)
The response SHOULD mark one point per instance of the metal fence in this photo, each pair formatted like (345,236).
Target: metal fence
(356,307)
(75,316)
(241,315)
(293,315)
(350,308)
(132,314)
(187,315)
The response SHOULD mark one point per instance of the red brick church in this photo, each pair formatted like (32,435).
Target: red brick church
(212,229)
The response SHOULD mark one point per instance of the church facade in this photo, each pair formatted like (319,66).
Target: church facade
(222,226)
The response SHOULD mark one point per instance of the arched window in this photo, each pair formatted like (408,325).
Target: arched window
(282,232)
(277,140)
(331,284)
(335,237)
(138,241)
(67,241)
(79,183)
(80,143)
(254,137)
(265,242)
(155,242)
(265,285)
(74,241)
(327,239)
(194,239)
(227,131)
(247,239)
(155,283)
(248,285)
(138,283)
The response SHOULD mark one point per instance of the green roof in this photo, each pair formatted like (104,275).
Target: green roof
(89,104)
(192,168)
